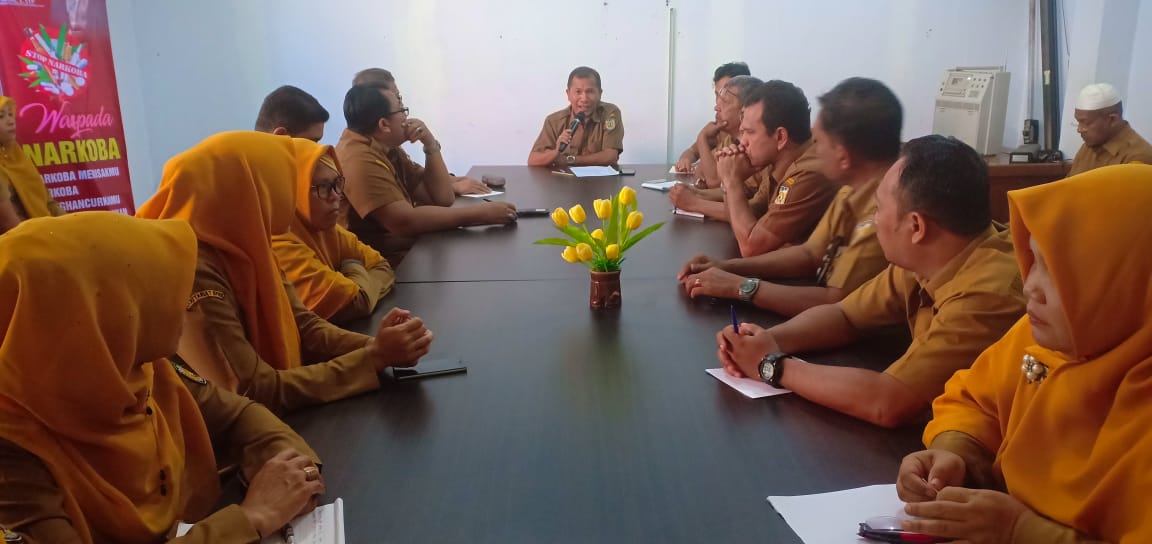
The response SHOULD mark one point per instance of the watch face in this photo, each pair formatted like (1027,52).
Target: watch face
(767,370)
(747,287)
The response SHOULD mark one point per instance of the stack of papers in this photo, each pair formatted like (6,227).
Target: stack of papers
(834,518)
(659,184)
(485,195)
(324,525)
(685,213)
(753,389)
(593,171)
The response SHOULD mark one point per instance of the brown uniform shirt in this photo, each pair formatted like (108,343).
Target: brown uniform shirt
(32,503)
(1125,147)
(214,331)
(845,239)
(794,206)
(604,129)
(376,176)
(953,316)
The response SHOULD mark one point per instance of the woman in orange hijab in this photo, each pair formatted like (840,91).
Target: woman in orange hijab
(22,191)
(1045,438)
(101,440)
(246,329)
(334,274)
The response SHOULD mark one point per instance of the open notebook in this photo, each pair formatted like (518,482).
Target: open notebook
(324,525)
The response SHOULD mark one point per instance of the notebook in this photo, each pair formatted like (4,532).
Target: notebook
(324,525)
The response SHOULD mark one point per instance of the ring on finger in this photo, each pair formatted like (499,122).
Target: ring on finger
(311,474)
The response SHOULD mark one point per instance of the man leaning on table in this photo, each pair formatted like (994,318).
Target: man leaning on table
(598,139)
(857,138)
(953,279)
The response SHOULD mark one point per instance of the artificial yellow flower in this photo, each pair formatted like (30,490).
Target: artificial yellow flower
(569,254)
(560,217)
(598,234)
(603,208)
(627,196)
(584,251)
(635,219)
(577,213)
(612,252)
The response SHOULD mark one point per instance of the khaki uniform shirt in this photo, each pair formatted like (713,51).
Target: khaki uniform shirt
(376,176)
(214,331)
(845,239)
(32,503)
(604,129)
(953,316)
(794,206)
(1125,147)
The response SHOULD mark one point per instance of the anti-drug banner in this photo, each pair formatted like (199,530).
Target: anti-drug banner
(56,63)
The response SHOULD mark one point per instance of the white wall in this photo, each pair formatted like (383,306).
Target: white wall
(816,43)
(484,73)
(1138,98)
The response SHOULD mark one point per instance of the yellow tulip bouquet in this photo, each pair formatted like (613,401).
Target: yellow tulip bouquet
(600,250)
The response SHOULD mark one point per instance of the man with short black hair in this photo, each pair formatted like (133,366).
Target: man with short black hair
(291,111)
(1108,138)
(857,137)
(776,148)
(953,279)
(706,170)
(384,80)
(597,141)
(394,199)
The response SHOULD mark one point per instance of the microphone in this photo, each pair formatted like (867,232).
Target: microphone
(575,123)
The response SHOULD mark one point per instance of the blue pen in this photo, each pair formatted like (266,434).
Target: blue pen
(735,324)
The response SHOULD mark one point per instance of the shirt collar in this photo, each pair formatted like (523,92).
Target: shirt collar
(1120,141)
(948,272)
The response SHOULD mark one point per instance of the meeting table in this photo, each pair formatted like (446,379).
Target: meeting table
(575,424)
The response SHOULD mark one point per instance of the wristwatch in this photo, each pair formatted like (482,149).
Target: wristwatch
(772,368)
(571,159)
(748,288)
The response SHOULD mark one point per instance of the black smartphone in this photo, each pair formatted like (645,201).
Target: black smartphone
(627,171)
(438,366)
(532,212)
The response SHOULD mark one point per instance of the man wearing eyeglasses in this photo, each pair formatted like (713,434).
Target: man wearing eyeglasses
(393,198)
(714,129)
(707,197)
(384,80)
(1108,138)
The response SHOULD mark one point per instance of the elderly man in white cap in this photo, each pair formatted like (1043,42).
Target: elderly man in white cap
(1108,139)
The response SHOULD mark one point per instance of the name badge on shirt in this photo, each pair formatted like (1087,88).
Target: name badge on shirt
(201,295)
(188,373)
(782,194)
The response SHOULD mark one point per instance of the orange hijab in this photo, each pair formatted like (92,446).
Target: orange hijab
(1075,447)
(325,294)
(20,171)
(236,189)
(90,303)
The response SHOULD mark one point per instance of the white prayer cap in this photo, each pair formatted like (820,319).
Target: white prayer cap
(1097,96)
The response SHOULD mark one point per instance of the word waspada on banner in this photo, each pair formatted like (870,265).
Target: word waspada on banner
(56,64)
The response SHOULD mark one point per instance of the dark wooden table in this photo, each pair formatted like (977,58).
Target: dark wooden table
(575,425)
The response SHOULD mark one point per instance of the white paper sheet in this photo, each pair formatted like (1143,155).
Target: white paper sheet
(834,518)
(659,184)
(593,171)
(324,525)
(677,172)
(753,389)
(696,215)
(485,195)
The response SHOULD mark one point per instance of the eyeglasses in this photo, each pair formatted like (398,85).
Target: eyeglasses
(401,110)
(327,190)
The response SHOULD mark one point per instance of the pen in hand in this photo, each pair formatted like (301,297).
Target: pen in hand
(289,537)
(735,323)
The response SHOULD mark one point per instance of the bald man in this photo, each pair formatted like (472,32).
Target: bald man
(1108,138)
